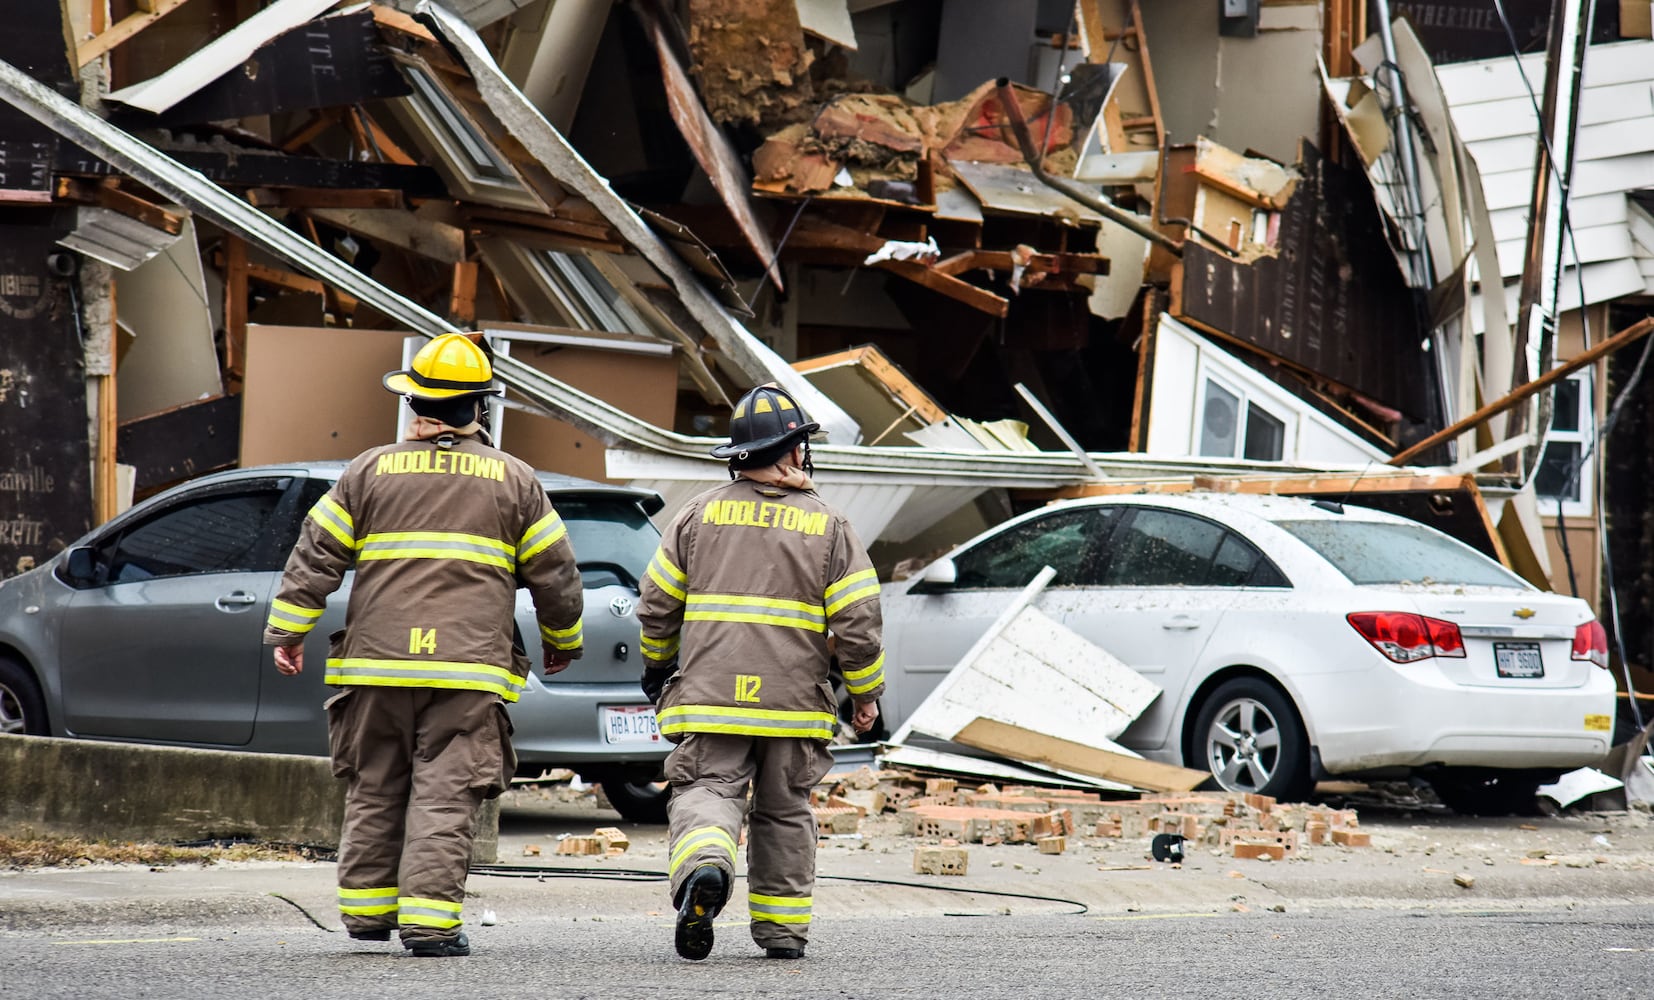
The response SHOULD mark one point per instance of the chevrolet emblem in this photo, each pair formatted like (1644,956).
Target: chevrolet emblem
(1524,613)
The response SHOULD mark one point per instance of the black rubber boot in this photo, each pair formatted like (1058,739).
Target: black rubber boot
(783,952)
(702,898)
(455,947)
(377,934)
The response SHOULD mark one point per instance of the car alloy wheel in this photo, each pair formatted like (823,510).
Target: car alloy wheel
(1249,736)
(1244,746)
(12,720)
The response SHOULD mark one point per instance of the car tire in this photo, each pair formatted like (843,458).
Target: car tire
(22,709)
(1249,736)
(638,801)
(1473,792)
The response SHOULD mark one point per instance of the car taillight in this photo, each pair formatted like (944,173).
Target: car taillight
(1406,637)
(1591,643)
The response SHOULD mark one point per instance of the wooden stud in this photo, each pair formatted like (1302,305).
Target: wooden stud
(462,300)
(148,12)
(320,122)
(235,312)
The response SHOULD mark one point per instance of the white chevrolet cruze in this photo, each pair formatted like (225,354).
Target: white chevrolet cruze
(1293,640)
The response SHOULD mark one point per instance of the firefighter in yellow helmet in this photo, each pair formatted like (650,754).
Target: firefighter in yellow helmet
(441,529)
(736,609)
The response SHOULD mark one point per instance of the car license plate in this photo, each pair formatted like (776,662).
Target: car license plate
(1518,659)
(629,724)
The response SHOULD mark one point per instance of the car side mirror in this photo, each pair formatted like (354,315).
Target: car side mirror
(941,573)
(81,566)
(938,578)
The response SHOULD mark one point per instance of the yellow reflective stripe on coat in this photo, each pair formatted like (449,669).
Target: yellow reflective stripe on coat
(746,721)
(335,520)
(562,638)
(422,912)
(368,902)
(780,909)
(438,545)
(659,650)
(865,679)
(541,535)
(671,579)
(851,589)
(445,674)
(291,617)
(755,610)
(697,839)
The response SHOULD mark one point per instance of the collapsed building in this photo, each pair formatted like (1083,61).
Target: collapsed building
(1004,252)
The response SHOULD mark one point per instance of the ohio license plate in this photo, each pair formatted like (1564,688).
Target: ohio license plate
(629,724)
(1518,659)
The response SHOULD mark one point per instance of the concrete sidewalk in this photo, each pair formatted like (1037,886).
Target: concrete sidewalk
(1415,861)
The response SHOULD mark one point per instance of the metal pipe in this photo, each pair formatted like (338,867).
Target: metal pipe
(1424,273)
(1090,199)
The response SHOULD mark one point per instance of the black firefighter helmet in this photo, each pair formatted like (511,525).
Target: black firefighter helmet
(767,423)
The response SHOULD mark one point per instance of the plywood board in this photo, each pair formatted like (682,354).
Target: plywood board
(163,304)
(644,385)
(294,409)
(1028,745)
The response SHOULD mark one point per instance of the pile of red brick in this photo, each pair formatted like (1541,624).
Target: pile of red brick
(1244,825)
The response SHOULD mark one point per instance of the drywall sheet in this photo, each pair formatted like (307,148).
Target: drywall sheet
(294,409)
(163,305)
(644,385)
(1256,93)
(1039,675)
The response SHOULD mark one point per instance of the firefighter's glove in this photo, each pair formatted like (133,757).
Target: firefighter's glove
(654,678)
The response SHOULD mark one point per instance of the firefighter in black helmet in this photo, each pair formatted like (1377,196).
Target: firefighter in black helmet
(735,611)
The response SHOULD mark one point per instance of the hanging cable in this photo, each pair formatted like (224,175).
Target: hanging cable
(645,875)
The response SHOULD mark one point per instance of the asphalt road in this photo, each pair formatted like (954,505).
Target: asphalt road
(1438,907)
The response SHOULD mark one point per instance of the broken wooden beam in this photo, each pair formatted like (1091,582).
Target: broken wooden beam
(1634,332)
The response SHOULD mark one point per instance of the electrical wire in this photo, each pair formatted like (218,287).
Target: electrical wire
(1564,181)
(540,872)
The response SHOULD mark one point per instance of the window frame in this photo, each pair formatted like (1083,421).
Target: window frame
(1249,397)
(1583,435)
(104,546)
(1226,532)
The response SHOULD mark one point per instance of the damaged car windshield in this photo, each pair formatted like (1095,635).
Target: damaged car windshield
(1379,552)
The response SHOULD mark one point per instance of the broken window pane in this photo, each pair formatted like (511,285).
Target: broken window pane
(1555,469)
(1265,434)
(1163,549)
(1219,419)
(1067,541)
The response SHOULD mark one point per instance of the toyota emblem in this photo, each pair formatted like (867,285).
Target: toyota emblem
(620,607)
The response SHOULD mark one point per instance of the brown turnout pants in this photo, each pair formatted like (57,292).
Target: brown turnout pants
(710,774)
(418,762)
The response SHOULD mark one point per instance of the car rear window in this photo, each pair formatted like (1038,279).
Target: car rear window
(1382,552)
(609,534)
